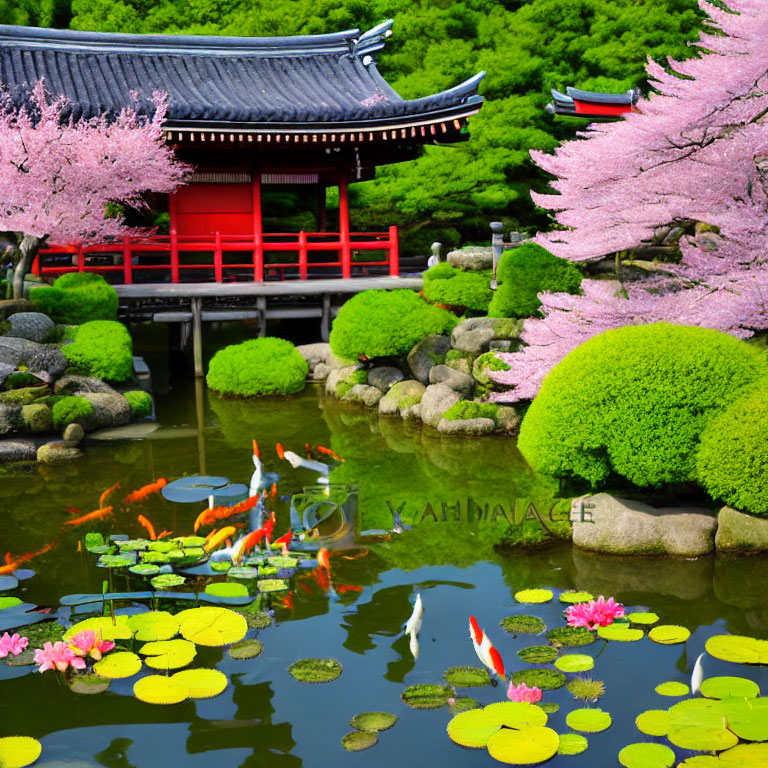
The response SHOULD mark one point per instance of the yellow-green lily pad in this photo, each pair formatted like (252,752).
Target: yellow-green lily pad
(226,589)
(19,751)
(575,662)
(117,665)
(621,632)
(472,729)
(738,648)
(526,747)
(672,688)
(158,689)
(726,687)
(515,714)
(357,741)
(654,722)
(373,721)
(588,720)
(534,596)
(744,756)
(211,625)
(201,683)
(103,627)
(669,634)
(571,597)
(168,654)
(647,756)
(572,744)
(640,617)
(154,625)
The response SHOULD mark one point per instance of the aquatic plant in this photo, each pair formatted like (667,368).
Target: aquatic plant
(522,624)
(357,741)
(76,298)
(570,636)
(588,720)
(57,656)
(211,625)
(462,704)
(574,662)
(572,596)
(621,632)
(585,688)
(669,634)
(427,695)
(595,613)
(738,648)
(201,683)
(315,670)
(88,643)
(534,596)
(672,688)
(158,689)
(467,677)
(546,679)
(102,348)
(373,721)
(538,654)
(19,751)
(246,649)
(12,644)
(572,744)
(168,654)
(644,754)
(523,693)
(117,665)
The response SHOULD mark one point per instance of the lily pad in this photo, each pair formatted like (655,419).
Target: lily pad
(117,665)
(357,741)
(315,670)
(103,626)
(246,649)
(744,756)
(544,679)
(515,714)
(373,721)
(189,542)
(538,654)
(154,557)
(747,718)
(571,637)
(643,618)
(588,720)
(132,545)
(226,589)
(167,580)
(571,597)
(158,689)
(116,561)
(550,707)
(243,572)
(672,688)
(161,546)
(256,619)
(534,596)
(738,648)
(575,662)
(19,751)
(211,625)
(89,684)
(145,569)
(280,561)
(620,632)
(647,756)
(572,744)
(701,725)
(271,585)
(523,625)
(221,566)
(526,747)
(8,582)
(472,729)
(154,625)
(463,704)
(201,683)
(669,634)
(467,677)
(9,602)
(426,695)
(654,722)
(168,654)
(725,687)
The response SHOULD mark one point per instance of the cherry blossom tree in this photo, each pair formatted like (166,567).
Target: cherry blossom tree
(696,150)
(58,174)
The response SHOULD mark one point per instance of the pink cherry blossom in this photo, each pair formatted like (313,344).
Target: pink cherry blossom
(88,643)
(523,693)
(595,613)
(13,644)
(58,656)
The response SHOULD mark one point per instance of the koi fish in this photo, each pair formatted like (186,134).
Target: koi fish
(413,625)
(253,539)
(342,588)
(323,451)
(268,527)
(323,559)
(273,491)
(144,523)
(283,542)
(308,450)
(255,449)
(12,563)
(485,650)
(104,496)
(219,537)
(305,587)
(288,601)
(73,511)
(142,493)
(244,506)
(280,451)
(163,534)
(322,578)
(97,514)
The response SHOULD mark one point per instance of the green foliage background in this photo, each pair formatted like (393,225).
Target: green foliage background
(527,47)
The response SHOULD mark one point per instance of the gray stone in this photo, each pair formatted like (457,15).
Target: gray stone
(70,385)
(737,532)
(73,433)
(402,395)
(108,410)
(10,418)
(475,334)
(469,427)
(500,345)
(459,382)
(437,399)
(431,350)
(411,412)
(462,364)
(39,358)
(17,450)
(320,372)
(624,527)
(316,355)
(363,394)
(51,453)
(333,362)
(471,257)
(338,376)
(34,326)
(385,377)
(138,431)
(507,418)
(37,417)
(475,341)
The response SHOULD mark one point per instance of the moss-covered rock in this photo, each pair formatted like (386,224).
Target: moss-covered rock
(140,403)
(71,409)
(488,361)
(363,394)
(76,298)
(37,417)
(401,396)
(103,349)
(24,395)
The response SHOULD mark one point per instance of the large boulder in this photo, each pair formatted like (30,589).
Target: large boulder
(611,525)
(400,397)
(385,377)
(472,257)
(458,381)
(52,453)
(437,399)
(474,335)
(740,533)
(17,450)
(10,418)
(430,351)
(37,417)
(507,418)
(109,410)
(362,394)
(71,385)
(45,359)
(466,427)
(34,326)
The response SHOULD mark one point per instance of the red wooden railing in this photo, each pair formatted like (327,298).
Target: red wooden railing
(174,247)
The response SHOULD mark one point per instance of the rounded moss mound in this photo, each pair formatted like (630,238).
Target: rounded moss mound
(315,670)
(267,366)
(444,284)
(523,273)
(70,410)
(732,462)
(469,409)
(140,402)
(76,298)
(529,625)
(382,323)
(633,402)
(102,348)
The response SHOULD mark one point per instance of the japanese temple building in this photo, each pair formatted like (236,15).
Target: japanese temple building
(597,107)
(247,113)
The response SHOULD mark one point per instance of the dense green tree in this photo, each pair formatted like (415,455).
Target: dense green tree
(527,48)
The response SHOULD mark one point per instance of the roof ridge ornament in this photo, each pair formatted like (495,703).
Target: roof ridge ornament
(373,40)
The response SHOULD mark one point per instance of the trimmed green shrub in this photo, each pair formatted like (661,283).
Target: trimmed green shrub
(382,323)
(634,401)
(469,409)
(76,297)
(140,402)
(266,366)
(523,273)
(69,410)
(732,462)
(444,284)
(102,348)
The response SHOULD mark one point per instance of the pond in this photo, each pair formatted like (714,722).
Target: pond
(264,717)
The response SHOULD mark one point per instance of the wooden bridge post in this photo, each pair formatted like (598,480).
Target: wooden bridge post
(497,246)
(197,335)
(325,319)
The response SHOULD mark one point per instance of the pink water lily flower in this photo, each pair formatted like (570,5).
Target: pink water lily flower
(88,643)
(523,693)
(13,644)
(58,656)
(595,613)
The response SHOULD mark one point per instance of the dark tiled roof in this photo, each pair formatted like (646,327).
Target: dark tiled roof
(316,79)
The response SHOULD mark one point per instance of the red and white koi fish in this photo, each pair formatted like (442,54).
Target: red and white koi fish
(323,559)
(97,514)
(283,542)
(104,496)
(268,527)
(258,471)
(484,649)
(142,493)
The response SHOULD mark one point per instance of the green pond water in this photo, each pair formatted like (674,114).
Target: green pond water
(265,717)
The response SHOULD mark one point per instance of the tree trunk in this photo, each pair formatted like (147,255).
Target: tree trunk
(27,251)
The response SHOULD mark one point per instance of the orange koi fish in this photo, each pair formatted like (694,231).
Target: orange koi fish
(73,511)
(244,506)
(252,540)
(104,496)
(322,578)
(219,537)
(308,450)
(342,588)
(323,451)
(323,559)
(207,517)
(144,523)
(142,493)
(163,534)
(97,514)
(12,563)
(255,449)
(283,542)
(273,490)
(280,451)
(268,527)
(288,601)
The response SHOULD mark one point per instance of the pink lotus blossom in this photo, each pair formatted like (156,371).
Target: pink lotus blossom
(595,613)
(523,693)
(13,644)
(58,656)
(88,643)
